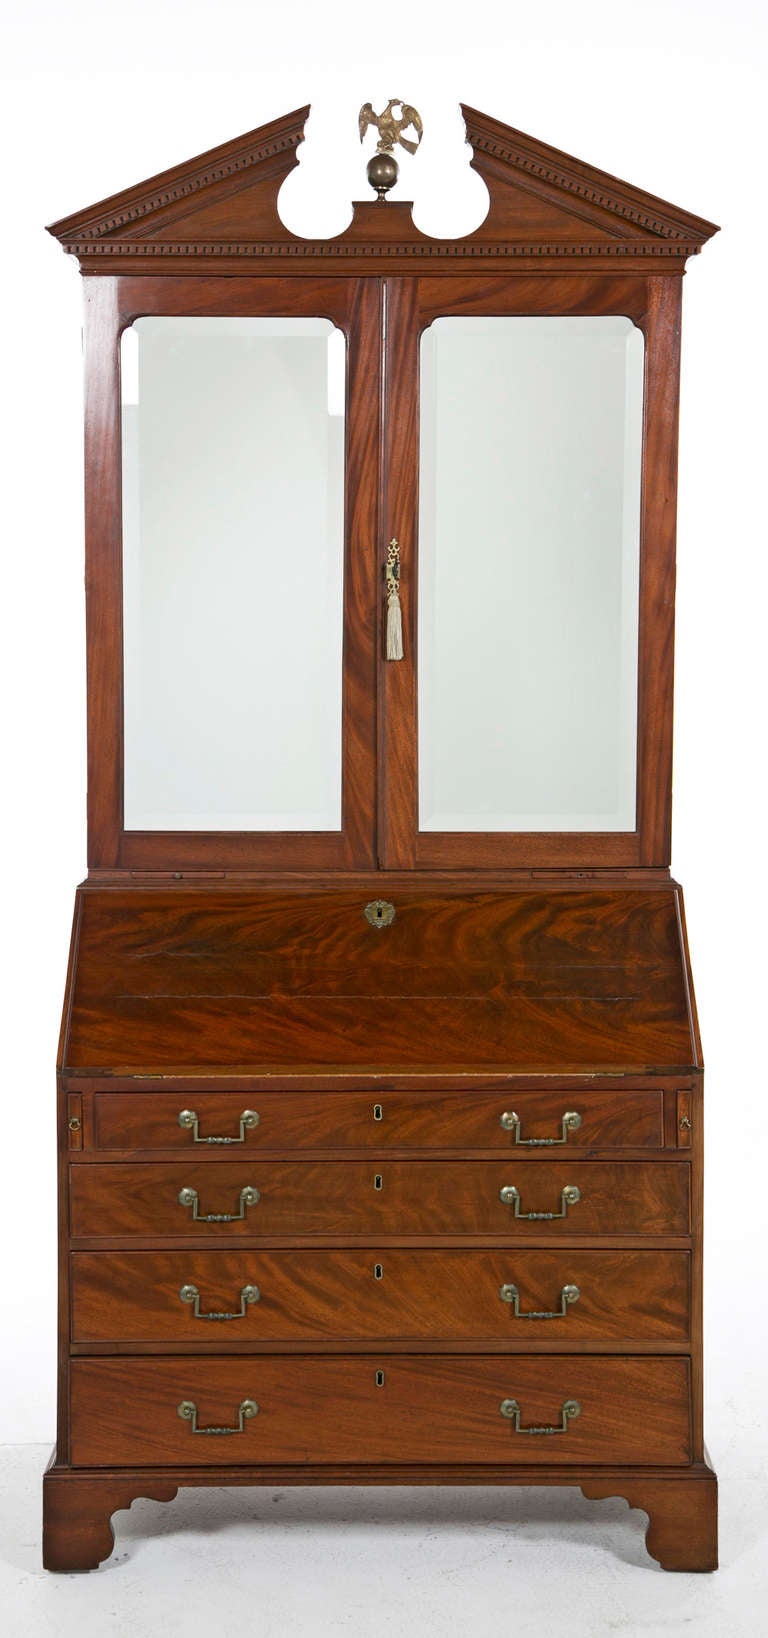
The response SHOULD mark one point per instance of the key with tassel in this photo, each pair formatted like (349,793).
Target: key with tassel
(394,611)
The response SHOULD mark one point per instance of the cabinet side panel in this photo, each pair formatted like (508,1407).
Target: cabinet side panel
(657,570)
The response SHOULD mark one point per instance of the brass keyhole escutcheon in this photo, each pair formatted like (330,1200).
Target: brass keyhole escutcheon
(379,1379)
(378,1271)
(379,913)
(378,1112)
(378,1181)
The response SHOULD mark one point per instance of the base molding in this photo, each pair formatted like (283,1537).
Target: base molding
(78,1503)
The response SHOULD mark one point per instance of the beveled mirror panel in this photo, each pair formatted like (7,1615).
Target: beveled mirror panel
(529,530)
(233,547)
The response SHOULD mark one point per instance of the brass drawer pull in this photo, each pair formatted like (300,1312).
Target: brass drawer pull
(248,1294)
(571,1121)
(511,1409)
(510,1196)
(189,1119)
(187,1410)
(248,1197)
(510,1294)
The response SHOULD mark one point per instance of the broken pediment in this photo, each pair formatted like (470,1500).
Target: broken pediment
(221,208)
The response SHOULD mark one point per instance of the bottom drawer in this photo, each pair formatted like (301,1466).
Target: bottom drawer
(389,1409)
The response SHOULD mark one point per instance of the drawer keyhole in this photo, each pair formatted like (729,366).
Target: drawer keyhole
(379,1379)
(378,1112)
(378,1181)
(378,1271)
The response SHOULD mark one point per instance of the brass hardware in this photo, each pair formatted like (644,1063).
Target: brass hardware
(189,1119)
(390,127)
(379,1379)
(378,1181)
(74,1123)
(685,1123)
(570,1122)
(378,1112)
(511,1409)
(383,168)
(510,1294)
(187,1410)
(248,1294)
(248,1197)
(392,568)
(393,647)
(378,1271)
(510,1196)
(382,171)
(379,913)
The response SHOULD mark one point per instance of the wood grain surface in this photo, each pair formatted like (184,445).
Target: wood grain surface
(366,1294)
(149,1120)
(428,1409)
(411,1197)
(521,981)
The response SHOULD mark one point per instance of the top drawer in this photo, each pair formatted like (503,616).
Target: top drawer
(531,1121)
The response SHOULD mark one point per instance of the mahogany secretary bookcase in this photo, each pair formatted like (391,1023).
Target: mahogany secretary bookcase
(380,1081)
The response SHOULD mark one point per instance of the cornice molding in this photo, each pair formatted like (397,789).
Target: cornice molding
(252,151)
(570,184)
(455,249)
(537,159)
(194,184)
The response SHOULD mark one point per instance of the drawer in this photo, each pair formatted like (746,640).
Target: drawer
(366,1120)
(252,1297)
(337,1408)
(254,1197)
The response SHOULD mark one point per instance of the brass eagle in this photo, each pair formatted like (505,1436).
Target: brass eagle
(390,126)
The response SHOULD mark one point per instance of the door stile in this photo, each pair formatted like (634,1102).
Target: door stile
(362,530)
(412,304)
(658,569)
(398,767)
(354,305)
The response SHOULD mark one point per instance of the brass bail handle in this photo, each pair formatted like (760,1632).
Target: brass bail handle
(187,1410)
(569,1122)
(569,1196)
(189,1198)
(248,1294)
(188,1120)
(510,1409)
(568,1294)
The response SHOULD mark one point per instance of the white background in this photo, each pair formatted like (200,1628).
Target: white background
(667,93)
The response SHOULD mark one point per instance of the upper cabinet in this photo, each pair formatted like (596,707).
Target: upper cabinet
(380,530)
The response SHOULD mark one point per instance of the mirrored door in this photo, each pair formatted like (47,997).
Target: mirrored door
(514,727)
(245,733)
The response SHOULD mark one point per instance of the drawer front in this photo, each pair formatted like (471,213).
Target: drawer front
(337,1409)
(363,1120)
(256,1197)
(219,1298)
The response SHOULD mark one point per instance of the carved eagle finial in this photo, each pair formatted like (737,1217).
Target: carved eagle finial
(390,126)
